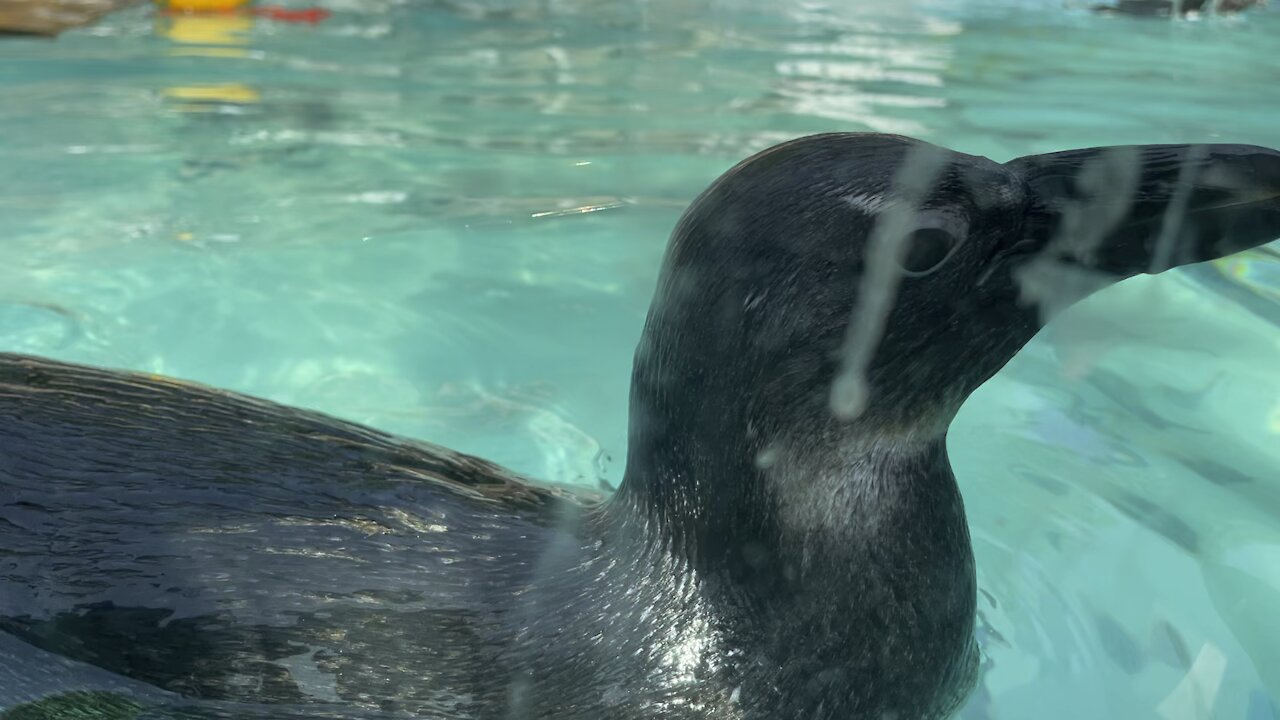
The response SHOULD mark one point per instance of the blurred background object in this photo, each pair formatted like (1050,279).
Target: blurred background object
(51,17)
(1176,8)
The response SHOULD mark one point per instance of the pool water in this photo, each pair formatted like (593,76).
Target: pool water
(444,218)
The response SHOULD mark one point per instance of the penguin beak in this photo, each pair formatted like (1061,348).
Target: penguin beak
(1123,211)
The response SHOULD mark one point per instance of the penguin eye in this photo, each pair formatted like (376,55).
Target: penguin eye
(929,246)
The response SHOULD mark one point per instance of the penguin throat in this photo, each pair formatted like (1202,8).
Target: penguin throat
(763,516)
(862,494)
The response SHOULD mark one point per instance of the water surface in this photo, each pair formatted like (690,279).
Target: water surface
(444,219)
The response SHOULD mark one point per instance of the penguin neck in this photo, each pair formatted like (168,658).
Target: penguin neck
(796,514)
(840,534)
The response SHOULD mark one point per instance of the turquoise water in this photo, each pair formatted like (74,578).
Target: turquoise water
(444,219)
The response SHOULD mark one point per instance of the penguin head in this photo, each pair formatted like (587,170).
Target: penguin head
(867,280)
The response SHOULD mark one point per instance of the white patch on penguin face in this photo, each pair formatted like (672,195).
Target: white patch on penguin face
(866,202)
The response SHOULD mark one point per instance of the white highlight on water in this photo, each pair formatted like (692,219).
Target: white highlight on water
(1194,697)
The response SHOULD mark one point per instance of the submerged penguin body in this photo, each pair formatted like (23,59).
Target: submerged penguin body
(788,542)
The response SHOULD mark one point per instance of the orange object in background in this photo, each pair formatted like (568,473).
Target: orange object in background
(271,12)
(202,6)
(295,15)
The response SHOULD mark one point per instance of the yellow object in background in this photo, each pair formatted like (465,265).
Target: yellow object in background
(225,93)
(210,35)
(210,98)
